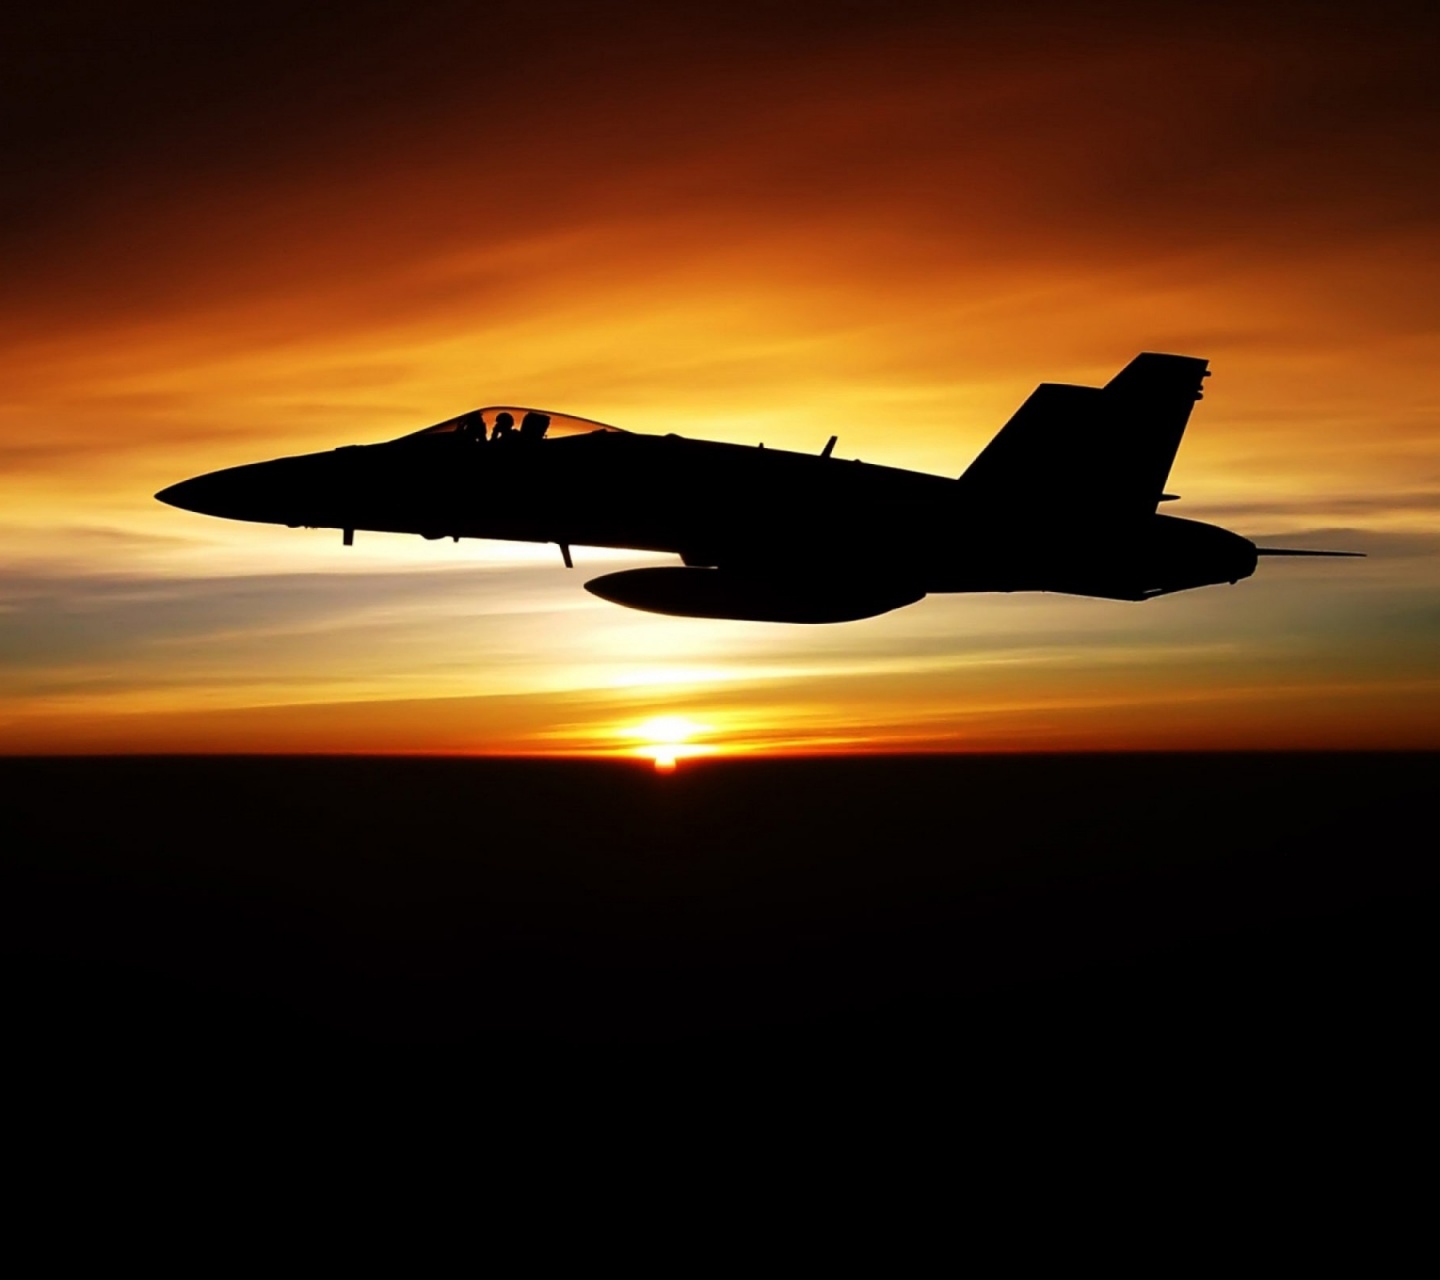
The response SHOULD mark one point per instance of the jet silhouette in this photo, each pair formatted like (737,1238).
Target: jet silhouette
(1064,498)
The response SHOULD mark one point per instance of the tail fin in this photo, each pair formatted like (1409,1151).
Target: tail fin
(1100,450)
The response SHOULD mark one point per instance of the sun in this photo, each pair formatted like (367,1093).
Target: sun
(668,739)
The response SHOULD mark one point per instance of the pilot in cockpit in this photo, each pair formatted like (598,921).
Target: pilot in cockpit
(504,424)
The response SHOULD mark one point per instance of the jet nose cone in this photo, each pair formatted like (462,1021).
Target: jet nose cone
(290,491)
(208,495)
(236,493)
(185,495)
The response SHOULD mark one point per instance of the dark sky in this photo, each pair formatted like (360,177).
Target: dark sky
(1101,129)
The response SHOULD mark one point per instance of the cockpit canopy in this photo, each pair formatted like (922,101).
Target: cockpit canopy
(502,421)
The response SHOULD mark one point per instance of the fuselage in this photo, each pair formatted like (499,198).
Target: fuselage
(750,511)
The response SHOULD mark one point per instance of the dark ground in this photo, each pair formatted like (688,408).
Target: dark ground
(1192,914)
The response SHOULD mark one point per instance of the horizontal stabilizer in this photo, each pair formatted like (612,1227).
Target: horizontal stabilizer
(1287,551)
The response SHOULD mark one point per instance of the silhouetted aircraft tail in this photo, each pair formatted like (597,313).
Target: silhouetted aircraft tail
(1097,450)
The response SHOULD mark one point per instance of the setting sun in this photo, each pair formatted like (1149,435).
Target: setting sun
(667,739)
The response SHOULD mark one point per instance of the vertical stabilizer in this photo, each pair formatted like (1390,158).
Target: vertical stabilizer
(1104,451)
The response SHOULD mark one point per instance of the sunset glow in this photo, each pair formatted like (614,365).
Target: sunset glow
(668,739)
(887,225)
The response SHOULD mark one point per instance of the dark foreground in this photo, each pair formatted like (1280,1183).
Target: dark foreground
(945,910)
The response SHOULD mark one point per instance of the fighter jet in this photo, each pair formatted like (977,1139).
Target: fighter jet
(1065,498)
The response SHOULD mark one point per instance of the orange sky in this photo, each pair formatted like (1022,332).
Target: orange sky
(233,235)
